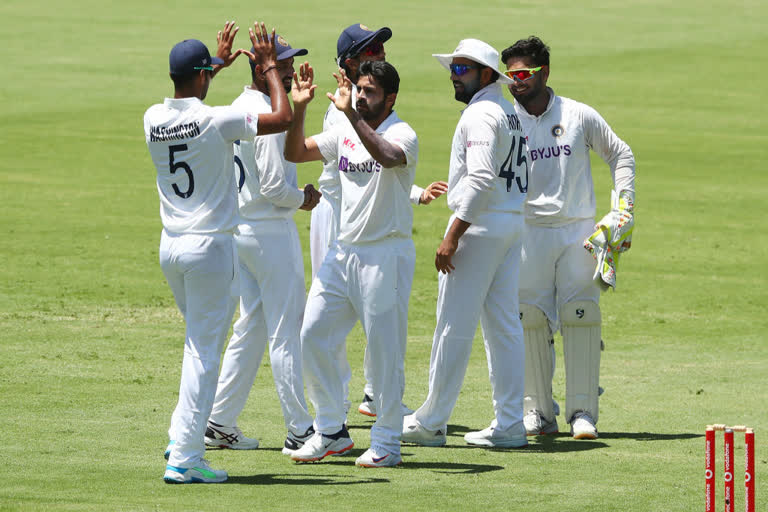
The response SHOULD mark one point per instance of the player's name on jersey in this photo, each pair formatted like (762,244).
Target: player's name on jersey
(178,132)
(514,122)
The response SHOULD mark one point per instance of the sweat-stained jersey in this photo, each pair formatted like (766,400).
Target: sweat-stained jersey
(266,181)
(366,187)
(560,190)
(489,168)
(191,147)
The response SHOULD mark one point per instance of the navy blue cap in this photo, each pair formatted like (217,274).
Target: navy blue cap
(189,56)
(356,37)
(284,50)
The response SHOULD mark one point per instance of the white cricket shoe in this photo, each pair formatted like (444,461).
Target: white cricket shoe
(583,427)
(219,436)
(294,442)
(320,446)
(200,473)
(368,408)
(536,425)
(372,459)
(415,433)
(497,438)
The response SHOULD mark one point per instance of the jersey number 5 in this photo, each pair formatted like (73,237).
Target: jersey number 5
(507,171)
(175,166)
(240,171)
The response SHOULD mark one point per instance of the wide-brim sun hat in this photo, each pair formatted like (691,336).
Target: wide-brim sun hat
(477,51)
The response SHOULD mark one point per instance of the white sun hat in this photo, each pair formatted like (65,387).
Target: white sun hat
(475,50)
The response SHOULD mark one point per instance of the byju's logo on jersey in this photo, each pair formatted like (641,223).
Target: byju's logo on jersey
(476,143)
(549,152)
(368,166)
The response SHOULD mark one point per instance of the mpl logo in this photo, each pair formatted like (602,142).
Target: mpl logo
(348,144)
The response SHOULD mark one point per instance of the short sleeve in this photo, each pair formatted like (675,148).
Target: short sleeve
(403,136)
(328,143)
(234,124)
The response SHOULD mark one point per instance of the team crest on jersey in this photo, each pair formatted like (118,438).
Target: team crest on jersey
(558,130)
(282,41)
(365,28)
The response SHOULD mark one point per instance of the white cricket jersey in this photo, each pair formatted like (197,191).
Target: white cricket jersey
(489,170)
(266,180)
(191,147)
(561,190)
(328,183)
(375,201)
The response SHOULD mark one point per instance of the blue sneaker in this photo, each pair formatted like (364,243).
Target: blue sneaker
(201,473)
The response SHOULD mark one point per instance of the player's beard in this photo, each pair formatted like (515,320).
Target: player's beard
(369,111)
(526,94)
(287,82)
(466,91)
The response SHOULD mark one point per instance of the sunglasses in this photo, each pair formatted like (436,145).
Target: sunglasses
(522,75)
(461,69)
(372,49)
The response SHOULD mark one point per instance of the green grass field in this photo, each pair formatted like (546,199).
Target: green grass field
(91,341)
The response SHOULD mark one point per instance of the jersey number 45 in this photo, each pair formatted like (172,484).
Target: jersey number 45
(509,166)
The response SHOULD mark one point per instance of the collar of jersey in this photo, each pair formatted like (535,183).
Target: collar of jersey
(181,102)
(486,92)
(552,98)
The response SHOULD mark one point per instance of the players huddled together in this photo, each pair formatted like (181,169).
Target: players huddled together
(521,253)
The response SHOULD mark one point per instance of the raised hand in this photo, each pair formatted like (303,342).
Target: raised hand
(264,50)
(303,90)
(225,38)
(343,100)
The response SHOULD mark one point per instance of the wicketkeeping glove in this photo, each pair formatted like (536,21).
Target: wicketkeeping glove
(612,236)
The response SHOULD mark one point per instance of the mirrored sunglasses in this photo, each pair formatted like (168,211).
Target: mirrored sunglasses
(461,69)
(372,49)
(522,74)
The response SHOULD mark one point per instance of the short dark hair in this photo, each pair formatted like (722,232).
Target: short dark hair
(532,48)
(384,73)
(181,81)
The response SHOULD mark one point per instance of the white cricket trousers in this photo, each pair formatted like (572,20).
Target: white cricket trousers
(556,269)
(323,230)
(271,308)
(372,283)
(484,288)
(202,273)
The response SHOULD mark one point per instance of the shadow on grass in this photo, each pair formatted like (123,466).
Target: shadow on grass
(450,468)
(408,463)
(648,436)
(303,479)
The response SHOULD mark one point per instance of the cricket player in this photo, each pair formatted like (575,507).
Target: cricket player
(368,272)
(479,258)
(356,44)
(556,283)
(271,274)
(191,146)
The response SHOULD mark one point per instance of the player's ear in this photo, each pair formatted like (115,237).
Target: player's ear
(486,74)
(389,101)
(352,65)
(545,73)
